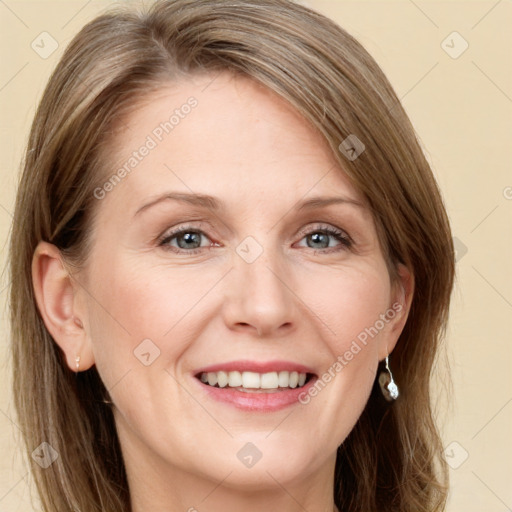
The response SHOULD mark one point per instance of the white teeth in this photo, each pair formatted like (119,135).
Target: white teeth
(253,380)
(283,379)
(269,380)
(235,379)
(222,379)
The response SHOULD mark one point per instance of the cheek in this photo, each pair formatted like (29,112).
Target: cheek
(350,307)
(133,303)
(349,302)
(137,310)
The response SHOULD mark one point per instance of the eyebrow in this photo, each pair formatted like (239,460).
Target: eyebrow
(212,203)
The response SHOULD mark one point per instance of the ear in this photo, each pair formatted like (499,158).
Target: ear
(56,295)
(402,292)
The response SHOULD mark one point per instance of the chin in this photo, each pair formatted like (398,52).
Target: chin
(256,461)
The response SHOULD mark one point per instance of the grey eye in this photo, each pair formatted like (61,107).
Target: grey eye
(318,240)
(188,240)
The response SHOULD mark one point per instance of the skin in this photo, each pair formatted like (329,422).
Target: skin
(298,301)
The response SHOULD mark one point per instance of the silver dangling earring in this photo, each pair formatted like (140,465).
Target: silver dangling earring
(387,384)
(77,363)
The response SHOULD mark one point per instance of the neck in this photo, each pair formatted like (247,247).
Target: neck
(157,485)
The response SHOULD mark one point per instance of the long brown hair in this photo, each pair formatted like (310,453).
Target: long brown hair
(392,460)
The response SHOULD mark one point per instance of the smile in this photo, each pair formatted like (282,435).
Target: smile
(253,381)
(256,385)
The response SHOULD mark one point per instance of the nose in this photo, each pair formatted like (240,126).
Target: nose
(259,297)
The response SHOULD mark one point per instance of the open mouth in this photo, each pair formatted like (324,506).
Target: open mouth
(254,382)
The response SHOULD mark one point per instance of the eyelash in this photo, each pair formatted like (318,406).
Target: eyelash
(345,241)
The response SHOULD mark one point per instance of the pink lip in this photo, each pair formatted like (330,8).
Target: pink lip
(256,366)
(263,401)
(258,401)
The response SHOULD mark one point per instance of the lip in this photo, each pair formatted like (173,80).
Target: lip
(264,401)
(256,366)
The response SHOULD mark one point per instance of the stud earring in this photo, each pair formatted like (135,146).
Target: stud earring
(387,384)
(77,363)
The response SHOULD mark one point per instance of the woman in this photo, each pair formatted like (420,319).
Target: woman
(231,271)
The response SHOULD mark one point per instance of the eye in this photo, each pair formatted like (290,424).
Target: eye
(190,240)
(327,238)
(185,240)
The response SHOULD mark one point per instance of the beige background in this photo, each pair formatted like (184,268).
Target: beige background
(462,110)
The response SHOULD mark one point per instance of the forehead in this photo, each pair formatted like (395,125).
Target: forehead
(221,134)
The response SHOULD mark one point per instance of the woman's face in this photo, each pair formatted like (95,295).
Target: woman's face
(233,248)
